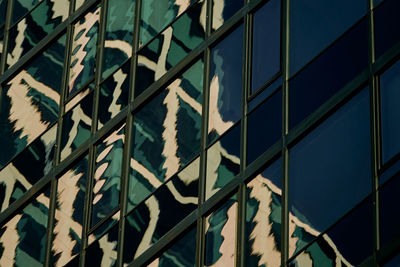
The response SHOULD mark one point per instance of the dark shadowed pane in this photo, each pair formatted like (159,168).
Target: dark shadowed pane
(103,252)
(20,8)
(389,197)
(3,9)
(386,36)
(224,10)
(394,262)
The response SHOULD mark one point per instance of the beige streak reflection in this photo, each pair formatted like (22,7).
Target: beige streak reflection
(60,9)
(16,53)
(119,77)
(109,250)
(182,4)
(218,9)
(120,45)
(10,241)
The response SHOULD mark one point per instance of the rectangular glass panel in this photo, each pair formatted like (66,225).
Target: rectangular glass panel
(103,252)
(76,126)
(223,161)
(170,47)
(34,27)
(29,101)
(224,10)
(118,35)
(166,131)
(334,157)
(27,168)
(23,238)
(83,55)
(157,215)
(225,84)
(71,191)
(220,237)
(107,177)
(386,36)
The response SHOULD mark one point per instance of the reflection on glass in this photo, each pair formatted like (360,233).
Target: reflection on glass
(27,168)
(107,177)
(83,55)
(220,241)
(104,227)
(166,131)
(182,253)
(266,56)
(263,218)
(29,102)
(71,190)
(153,218)
(328,73)
(390,115)
(103,252)
(23,238)
(223,161)
(78,97)
(21,8)
(223,10)
(394,262)
(328,20)
(225,84)
(170,47)
(156,14)
(385,35)
(114,93)
(76,126)
(34,27)
(264,126)
(333,159)
(118,35)
(3,9)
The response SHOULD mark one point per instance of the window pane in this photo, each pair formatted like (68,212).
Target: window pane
(389,199)
(335,157)
(266,56)
(3,9)
(103,252)
(21,8)
(225,84)
(385,35)
(224,10)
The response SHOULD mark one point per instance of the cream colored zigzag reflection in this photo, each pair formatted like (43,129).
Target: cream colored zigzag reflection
(17,51)
(119,77)
(162,59)
(59,9)
(120,45)
(9,241)
(191,172)
(181,199)
(183,5)
(339,256)
(218,9)
(150,177)
(110,253)
(203,15)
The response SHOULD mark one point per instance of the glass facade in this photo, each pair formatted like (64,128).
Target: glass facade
(199,133)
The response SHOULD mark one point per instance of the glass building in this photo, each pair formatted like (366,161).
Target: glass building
(199,133)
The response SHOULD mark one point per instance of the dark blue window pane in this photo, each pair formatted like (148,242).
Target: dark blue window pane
(394,262)
(314,24)
(390,114)
(266,43)
(386,35)
(264,126)
(328,73)
(389,217)
(335,157)
(225,84)
(224,10)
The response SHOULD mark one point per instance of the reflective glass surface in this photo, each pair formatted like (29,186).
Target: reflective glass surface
(114,94)
(34,27)
(220,237)
(225,84)
(21,8)
(266,56)
(29,101)
(83,53)
(170,47)
(157,14)
(166,131)
(181,254)
(314,24)
(335,157)
(76,126)
(389,197)
(101,229)
(223,10)
(385,35)
(390,115)
(78,97)
(71,190)
(394,262)
(328,73)
(264,126)
(27,168)
(23,238)
(107,177)
(3,9)
(103,252)
(223,161)
(161,212)
(118,35)
(263,217)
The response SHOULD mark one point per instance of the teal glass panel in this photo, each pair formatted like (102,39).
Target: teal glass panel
(71,191)
(118,35)
(166,131)
(29,101)
(263,217)
(34,27)
(220,238)
(20,8)
(170,47)
(157,14)
(76,126)
(103,252)
(3,9)
(114,94)
(107,177)
(27,168)
(23,238)
(83,53)
(223,161)
(224,10)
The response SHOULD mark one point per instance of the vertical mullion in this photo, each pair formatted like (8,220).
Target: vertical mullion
(128,138)
(7,24)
